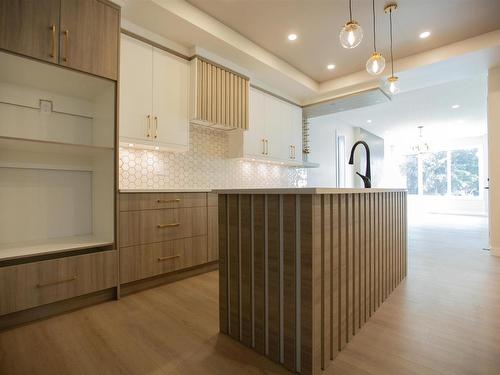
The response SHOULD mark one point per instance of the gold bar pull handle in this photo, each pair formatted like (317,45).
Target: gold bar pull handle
(162,259)
(170,225)
(53,41)
(156,127)
(176,200)
(148,133)
(41,285)
(263,146)
(267,147)
(66,42)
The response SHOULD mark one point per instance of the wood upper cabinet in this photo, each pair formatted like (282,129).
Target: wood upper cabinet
(79,34)
(30,27)
(89,37)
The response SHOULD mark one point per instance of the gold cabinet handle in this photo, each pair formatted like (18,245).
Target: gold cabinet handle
(161,259)
(171,225)
(56,282)
(148,133)
(267,147)
(176,200)
(53,41)
(156,127)
(263,146)
(66,42)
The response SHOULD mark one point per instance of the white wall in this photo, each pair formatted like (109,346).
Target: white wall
(322,142)
(377,159)
(494,157)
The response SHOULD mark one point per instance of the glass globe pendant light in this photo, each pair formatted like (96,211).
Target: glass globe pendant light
(392,83)
(376,63)
(352,33)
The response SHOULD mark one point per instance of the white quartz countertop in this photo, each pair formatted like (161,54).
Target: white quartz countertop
(306,190)
(164,190)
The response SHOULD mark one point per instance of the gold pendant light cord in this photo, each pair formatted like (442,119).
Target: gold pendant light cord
(390,32)
(374,31)
(350,10)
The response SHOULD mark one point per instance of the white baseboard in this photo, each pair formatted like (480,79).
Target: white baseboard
(495,251)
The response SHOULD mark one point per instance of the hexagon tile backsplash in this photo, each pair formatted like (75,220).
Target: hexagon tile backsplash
(204,166)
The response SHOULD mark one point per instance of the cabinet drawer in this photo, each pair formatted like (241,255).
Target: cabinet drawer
(34,284)
(151,201)
(139,262)
(142,227)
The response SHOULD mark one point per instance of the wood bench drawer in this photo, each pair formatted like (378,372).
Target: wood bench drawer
(34,284)
(152,201)
(143,261)
(143,227)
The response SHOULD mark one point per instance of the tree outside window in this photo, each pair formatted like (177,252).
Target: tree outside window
(435,177)
(451,173)
(410,169)
(465,172)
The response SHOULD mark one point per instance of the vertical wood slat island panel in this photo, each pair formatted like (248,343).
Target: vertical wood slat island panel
(300,274)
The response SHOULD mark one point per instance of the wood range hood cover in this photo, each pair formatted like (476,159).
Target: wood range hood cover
(219,96)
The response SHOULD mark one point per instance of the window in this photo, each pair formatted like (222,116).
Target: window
(443,173)
(435,178)
(410,169)
(465,172)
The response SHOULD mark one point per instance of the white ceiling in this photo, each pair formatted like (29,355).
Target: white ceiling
(317,23)
(397,121)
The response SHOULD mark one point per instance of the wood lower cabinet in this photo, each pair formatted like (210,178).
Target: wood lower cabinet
(79,34)
(30,27)
(166,232)
(140,262)
(138,227)
(34,284)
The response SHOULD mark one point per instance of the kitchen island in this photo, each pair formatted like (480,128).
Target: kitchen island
(302,269)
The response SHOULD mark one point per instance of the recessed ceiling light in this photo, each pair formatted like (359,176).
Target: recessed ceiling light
(330,66)
(368,121)
(455,106)
(292,37)
(425,35)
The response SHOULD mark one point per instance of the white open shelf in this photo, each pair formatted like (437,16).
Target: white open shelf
(81,107)
(50,246)
(57,167)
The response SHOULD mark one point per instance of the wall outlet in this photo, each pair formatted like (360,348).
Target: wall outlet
(45,106)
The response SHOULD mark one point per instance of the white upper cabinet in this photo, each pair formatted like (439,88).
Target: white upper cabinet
(154,97)
(170,100)
(255,136)
(296,133)
(136,90)
(274,132)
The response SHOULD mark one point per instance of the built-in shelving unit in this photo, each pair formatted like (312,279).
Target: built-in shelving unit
(57,159)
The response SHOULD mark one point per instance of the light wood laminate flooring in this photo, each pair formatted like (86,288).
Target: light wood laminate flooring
(443,319)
